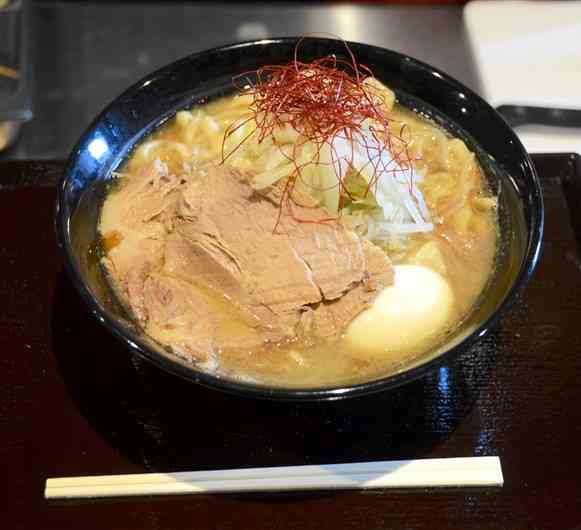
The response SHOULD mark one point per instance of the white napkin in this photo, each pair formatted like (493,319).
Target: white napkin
(529,53)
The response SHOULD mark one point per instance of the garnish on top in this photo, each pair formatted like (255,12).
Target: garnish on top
(343,149)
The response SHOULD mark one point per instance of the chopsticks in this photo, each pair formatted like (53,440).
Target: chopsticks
(439,472)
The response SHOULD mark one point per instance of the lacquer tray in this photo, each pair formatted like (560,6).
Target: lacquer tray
(73,401)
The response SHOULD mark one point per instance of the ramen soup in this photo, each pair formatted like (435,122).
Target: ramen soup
(307,231)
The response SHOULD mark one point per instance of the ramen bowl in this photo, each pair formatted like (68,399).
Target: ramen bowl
(204,76)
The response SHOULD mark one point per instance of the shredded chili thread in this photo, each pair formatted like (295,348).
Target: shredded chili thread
(321,100)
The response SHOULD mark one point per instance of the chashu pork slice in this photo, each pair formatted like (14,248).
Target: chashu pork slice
(197,259)
(226,236)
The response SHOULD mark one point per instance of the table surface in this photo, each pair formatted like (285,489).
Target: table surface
(74,401)
(86,53)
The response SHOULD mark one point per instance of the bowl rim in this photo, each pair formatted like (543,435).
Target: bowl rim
(136,345)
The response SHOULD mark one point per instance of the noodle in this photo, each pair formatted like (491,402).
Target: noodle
(447,223)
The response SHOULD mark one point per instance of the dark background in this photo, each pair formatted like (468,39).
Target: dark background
(86,53)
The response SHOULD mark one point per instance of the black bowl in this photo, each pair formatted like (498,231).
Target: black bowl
(147,104)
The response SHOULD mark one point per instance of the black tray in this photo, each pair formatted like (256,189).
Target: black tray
(73,401)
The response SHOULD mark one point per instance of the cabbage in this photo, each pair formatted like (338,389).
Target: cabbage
(381,199)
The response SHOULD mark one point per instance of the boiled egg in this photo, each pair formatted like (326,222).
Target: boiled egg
(405,315)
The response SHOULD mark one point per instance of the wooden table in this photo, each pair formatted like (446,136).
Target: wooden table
(73,401)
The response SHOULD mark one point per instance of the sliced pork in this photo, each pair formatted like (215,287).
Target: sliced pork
(206,263)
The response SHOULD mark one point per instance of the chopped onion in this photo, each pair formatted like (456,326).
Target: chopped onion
(394,188)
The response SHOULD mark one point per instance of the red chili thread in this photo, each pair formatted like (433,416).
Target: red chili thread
(320,100)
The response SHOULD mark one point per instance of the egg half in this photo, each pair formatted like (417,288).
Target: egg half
(415,308)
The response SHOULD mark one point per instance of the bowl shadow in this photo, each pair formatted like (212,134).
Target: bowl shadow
(164,423)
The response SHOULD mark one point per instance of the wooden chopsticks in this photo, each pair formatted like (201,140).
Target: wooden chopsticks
(440,472)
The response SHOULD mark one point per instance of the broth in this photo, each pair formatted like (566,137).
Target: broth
(460,248)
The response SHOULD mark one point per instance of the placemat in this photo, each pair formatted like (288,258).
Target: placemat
(74,401)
